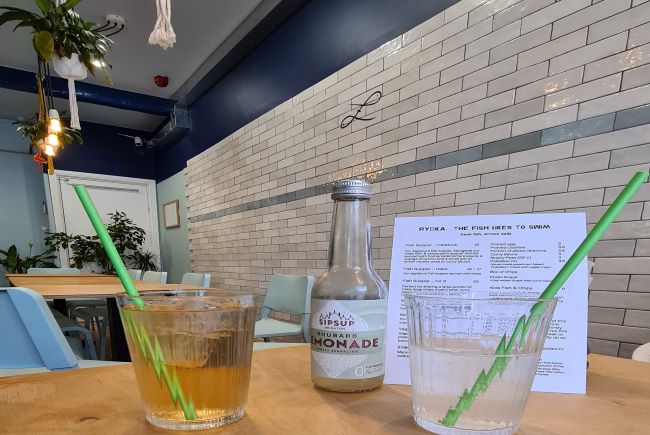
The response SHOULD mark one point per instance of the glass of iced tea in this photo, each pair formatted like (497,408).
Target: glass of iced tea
(191,352)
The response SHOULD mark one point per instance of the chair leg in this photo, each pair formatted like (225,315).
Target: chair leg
(267,339)
(101,330)
(88,339)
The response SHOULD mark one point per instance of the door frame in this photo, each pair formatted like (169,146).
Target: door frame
(72,177)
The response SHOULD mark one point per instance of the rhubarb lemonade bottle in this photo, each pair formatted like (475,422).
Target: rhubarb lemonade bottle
(348,305)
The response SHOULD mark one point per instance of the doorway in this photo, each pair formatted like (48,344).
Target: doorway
(134,196)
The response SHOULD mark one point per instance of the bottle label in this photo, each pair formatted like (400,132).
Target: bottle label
(347,338)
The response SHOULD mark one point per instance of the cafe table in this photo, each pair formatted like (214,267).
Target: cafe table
(283,401)
(91,285)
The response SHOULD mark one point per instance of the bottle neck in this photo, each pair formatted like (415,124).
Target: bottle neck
(350,236)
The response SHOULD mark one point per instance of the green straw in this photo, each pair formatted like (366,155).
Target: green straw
(151,352)
(108,244)
(483,381)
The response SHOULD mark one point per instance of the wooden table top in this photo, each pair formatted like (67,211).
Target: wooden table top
(84,285)
(283,401)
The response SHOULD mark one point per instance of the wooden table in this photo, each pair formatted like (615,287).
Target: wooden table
(60,287)
(283,401)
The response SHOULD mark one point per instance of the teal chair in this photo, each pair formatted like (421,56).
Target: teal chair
(135,274)
(53,271)
(288,294)
(95,313)
(151,276)
(198,279)
(31,341)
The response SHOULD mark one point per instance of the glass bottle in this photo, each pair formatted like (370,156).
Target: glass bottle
(348,305)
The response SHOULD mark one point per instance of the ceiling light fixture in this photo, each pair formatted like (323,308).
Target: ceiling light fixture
(114,25)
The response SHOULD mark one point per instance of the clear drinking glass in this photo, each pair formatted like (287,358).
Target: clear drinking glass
(191,352)
(453,342)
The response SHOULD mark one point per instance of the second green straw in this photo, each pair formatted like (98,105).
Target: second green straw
(500,363)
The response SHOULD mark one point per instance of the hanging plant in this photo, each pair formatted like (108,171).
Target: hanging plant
(62,32)
(61,35)
(36,131)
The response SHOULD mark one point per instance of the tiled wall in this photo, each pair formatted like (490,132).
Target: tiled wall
(502,106)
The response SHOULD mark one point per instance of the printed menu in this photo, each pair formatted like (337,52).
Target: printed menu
(502,255)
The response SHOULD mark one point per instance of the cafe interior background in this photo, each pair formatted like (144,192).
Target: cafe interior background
(498,107)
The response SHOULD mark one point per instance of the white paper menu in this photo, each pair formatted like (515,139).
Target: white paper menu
(477,251)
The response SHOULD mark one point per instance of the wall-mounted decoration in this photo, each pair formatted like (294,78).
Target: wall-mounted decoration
(171,216)
(372,99)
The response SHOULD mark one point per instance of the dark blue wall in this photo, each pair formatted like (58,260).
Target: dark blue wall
(321,38)
(106,152)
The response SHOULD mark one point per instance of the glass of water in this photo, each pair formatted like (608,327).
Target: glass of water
(473,360)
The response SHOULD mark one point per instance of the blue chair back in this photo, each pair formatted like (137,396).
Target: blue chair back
(290,294)
(135,274)
(30,336)
(53,271)
(151,276)
(198,279)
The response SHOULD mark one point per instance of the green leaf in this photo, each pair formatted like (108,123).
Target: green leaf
(44,44)
(22,24)
(43,5)
(14,16)
(70,4)
(27,13)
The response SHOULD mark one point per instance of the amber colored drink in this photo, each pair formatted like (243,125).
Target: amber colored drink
(206,344)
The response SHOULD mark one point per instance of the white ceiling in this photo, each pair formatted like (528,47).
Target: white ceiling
(200,27)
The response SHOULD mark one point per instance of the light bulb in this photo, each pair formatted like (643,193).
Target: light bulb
(55,126)
(49,150)
(53,139)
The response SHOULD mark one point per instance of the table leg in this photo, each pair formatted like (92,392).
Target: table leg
(60,306)
(119,349)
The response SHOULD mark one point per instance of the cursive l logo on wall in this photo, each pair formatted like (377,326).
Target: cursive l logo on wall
(370,101)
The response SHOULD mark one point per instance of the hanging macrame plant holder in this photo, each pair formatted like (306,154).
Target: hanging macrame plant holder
(163,33)
(71,68)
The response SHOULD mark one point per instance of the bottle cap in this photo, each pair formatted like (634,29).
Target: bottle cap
(351,189)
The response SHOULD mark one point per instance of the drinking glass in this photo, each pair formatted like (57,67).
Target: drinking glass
(469,375)
(191,352)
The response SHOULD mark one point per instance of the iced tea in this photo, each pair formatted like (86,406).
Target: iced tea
(205,340)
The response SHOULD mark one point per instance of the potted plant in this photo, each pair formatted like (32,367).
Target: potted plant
(144,261)
(87,250)
(63,36)
(36,131)
(61,32)
(12,262)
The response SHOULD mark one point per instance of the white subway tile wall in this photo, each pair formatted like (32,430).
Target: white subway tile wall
(501,106)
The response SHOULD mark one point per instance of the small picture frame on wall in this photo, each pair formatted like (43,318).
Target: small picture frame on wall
(171,216)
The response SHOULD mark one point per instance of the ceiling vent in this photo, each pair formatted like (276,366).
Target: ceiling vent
(175,129)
